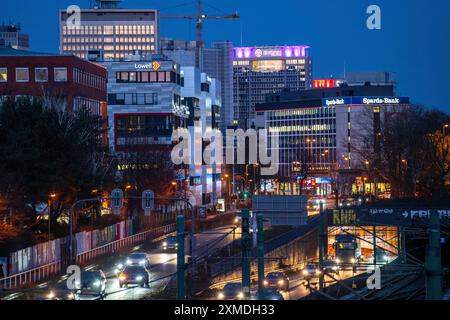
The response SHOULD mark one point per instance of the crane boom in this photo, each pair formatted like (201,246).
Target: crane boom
(199,18)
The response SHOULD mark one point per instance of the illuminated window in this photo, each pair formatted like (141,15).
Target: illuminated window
(61,74)
(41,74)
(108,30)
(22,75)
(3,74)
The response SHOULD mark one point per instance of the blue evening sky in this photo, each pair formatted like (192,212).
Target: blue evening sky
(414,42)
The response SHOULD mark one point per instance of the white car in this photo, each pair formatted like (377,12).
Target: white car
(138,258)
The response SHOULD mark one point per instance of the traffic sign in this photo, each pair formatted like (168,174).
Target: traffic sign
(117,201)
(148,201)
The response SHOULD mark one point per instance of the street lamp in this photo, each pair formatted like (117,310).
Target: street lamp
(444,128)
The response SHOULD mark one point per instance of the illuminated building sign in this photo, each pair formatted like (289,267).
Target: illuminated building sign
(324,83)
(155,65)
(270,52)
(364,101)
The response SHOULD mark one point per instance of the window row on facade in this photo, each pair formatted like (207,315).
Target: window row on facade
(110,30)
(148,76)
(41,74)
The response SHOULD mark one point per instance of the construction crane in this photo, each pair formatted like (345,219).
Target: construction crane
(200,17)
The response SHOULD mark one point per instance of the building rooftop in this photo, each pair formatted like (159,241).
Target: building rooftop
(10,52)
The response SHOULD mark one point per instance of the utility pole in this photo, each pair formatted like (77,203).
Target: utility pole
(374,246)
(321,244)
(433,266)
(260,235)
(246,245)
(181,267)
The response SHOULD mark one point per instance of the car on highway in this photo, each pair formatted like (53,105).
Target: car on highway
(330,266)
(92,283)
(311,270)
(170,243)
(134,275)
(118,268)
(382,256)
(139,259)
(268,294)
(231,291)
(278,280)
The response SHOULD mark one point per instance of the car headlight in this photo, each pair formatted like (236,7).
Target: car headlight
(240,295)
(122,277)
(305,272)
(119,266)
(265,282)
(334,268)
(338,260)
(71,296)
(318,271)
(142,262)
(236,220)
(97,283)
(51,295)
(280,282)
(128,261)
(352,260)
(221,295)
(116,271)
(139,278)
(165,244)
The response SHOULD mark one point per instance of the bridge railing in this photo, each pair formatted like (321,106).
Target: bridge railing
(41,273)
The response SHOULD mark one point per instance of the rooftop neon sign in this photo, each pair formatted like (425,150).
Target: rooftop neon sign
(271,52)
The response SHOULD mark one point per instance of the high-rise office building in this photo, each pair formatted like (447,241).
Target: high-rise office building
(216,62)
(116,32)
(11,36)
(258,71)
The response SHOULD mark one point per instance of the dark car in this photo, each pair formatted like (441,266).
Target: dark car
(311,270)
(92,283)
(171,243)
(231,291)
(138,258)
(134,275)
(278,280)
(269,294)
(330,266)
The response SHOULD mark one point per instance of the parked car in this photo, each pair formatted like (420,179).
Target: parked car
(134,275)
(278,280)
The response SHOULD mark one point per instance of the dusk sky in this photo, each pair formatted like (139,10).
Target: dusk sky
(414,42)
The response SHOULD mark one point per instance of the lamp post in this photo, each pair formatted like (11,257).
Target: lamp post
(49,205)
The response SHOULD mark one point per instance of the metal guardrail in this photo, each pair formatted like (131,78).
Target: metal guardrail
(44,272)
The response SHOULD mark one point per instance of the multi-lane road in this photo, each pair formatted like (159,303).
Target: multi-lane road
(163,265)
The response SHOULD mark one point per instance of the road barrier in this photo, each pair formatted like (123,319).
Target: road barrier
(32,276)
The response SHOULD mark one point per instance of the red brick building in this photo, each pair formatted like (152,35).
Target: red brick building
(67,79)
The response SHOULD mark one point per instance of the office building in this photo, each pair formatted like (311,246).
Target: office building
(258,71)
(116,32)
(12,36)
(321,129)
(202,95)
(74,82)
(216,62)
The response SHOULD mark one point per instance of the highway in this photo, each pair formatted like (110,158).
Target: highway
(162,265)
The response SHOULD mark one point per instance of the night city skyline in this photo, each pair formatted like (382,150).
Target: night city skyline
(209,157)
(413,42)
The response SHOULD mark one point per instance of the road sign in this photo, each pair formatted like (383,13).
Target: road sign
(117,201)
(148,202)
(400,216)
